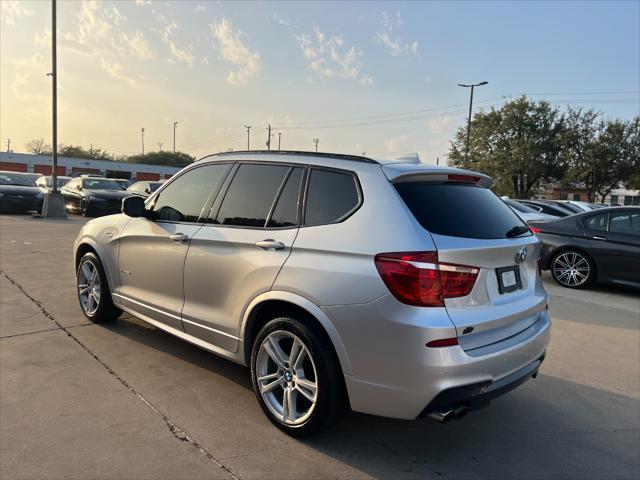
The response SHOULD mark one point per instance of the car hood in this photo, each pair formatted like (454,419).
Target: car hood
(108,193)
(15,190)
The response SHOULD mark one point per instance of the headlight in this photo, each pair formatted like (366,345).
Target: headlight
(96,199)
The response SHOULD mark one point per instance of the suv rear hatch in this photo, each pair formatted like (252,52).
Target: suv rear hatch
(473,229)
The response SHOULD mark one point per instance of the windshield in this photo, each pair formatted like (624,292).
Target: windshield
(16,179)
(460,210)
(519,206)
(100,184)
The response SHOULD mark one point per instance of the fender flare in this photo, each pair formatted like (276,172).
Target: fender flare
(90,241)
(313,310)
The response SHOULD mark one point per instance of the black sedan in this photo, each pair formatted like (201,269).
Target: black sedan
(92,196)
(19,193)
(598,246)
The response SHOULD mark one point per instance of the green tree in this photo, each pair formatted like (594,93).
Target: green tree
(602,154)
(520,145)
(177,159)
(76,151)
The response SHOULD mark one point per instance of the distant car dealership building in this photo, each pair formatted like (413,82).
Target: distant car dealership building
(24,162)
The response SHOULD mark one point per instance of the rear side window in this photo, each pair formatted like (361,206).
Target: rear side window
(184,198)
(251,194)
(458,210)
(285,213)
(597,223)
(331,197)
(625,222)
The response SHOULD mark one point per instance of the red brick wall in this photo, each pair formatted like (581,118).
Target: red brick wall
(147,176)
(46,169)
(13,166)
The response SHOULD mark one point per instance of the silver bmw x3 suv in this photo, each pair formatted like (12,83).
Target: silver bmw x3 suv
(390,288)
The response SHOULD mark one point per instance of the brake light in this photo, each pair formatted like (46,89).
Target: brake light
(457,177)
(534,229)
(417,278)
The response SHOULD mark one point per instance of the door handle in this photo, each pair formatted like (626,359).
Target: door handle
(596,237)
(179,237)
(270,244)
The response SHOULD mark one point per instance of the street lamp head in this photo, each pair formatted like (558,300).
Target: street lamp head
(482,83)
(463,85)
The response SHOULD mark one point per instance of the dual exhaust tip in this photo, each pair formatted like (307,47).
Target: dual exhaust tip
(446,414)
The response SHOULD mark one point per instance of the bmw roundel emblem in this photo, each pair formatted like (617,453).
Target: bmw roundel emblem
(521,256)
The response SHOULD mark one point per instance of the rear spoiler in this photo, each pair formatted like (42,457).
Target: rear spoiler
(401,173)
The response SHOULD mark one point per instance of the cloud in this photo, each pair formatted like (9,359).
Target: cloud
(386,36)
(329,57)
(142,3)
(138,45)
(30,81)
(233,49)
(116,71)
(200,8)
(280,20)
(10,10)
(394,144)
(177,53)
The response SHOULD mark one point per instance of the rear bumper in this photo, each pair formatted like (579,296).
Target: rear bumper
(395,375)
(479,395)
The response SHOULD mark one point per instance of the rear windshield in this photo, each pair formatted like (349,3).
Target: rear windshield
(459,210)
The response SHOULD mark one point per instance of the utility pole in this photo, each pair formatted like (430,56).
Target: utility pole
(269,137)
(316,140)
(8,145)
(248,127)
(472,86)
(142,136)
(175,124)
(160,146)
(437,161)
(53,205)
(279,139)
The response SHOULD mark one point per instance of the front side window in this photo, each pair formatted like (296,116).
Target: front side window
(251,194)
(625,222)
(331,197)
(597,223)
(185,197)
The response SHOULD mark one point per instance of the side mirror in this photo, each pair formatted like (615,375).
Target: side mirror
(134,207)
(79,187)
(147,190)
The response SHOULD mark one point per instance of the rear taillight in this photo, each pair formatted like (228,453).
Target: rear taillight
(534,229)
(417,278)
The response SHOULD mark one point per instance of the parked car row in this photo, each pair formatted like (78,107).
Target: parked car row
(87,194)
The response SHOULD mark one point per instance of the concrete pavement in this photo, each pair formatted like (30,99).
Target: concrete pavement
(126,400)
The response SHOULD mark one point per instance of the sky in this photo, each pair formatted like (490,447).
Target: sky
(378,78)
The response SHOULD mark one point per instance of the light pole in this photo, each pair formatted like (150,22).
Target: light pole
(175,124)
(142,139)
(160,146)
(471,86)
(279,139)
(248,127)
(53,204)
(316,140)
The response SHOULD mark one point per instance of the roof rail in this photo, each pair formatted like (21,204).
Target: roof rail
(337,156)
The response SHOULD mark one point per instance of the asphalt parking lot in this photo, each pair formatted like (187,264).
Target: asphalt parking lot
(126,400)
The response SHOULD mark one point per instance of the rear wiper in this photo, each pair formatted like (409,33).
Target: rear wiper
(517,231)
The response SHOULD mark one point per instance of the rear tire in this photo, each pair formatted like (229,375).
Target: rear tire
(297,378)
(93,290)
(572,269)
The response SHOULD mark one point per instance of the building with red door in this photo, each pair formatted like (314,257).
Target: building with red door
(24,162)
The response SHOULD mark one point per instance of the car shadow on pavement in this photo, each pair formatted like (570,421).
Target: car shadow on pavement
(548,428)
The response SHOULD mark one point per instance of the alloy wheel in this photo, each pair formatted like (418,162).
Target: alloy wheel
(287,378)
(571,269)
(89,287)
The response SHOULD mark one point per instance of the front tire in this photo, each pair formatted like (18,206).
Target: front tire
(572,269)
(297,378)
(85,210)
(93,290)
